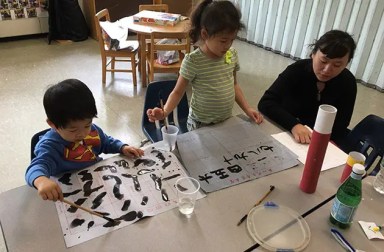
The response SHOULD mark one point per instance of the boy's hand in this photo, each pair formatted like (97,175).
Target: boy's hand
(48,189)
(155,114)
(131,151)
(255,115)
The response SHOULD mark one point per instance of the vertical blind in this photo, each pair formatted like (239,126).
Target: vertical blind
(288,27)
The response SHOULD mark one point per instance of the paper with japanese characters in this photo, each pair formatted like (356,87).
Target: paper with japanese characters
(232,152)
(119,188)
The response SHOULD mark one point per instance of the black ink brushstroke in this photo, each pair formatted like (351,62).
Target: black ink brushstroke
(98,200)
(145,171)
(122,163)
(116,187)
(159,155)
(135,181)
(144,161)
(166,164)
(65,179)
(71,193)
(164,195)
(171,177)
(77,222)
(106,167)
(112,223)
(86,176)
(144,200)
(88,190)
(157,181)
(79,202)
(90,224)
(181,188)
(126,204)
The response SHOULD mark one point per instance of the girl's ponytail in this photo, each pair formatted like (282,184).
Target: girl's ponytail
(194,32)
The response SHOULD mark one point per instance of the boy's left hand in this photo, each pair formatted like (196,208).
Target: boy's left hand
(131,151)
(255,115)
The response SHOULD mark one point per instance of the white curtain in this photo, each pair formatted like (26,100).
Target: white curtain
(289,26)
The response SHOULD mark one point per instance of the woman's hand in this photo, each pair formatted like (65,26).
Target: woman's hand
(131,151)
(301,133)
(255,115)
(155,114)
(48,189)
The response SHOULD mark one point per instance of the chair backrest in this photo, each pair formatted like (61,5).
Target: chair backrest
(35,139)
(177,117)
(184,44)
(154,7)
(102,15)
(367,137)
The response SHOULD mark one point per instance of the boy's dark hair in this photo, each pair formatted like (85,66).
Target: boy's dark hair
(335,44)
(69,100)
(215,17)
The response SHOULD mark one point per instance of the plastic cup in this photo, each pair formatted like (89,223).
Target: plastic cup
(187,189)
(169,136)
(353,158)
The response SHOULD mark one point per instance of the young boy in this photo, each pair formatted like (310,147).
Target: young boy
(74,142)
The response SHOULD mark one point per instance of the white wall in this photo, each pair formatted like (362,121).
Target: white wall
(289,26)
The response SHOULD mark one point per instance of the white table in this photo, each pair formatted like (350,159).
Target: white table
(31,224)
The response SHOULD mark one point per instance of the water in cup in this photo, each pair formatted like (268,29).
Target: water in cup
(186,206)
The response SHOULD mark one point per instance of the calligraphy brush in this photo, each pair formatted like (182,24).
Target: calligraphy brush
(162,107)
(89,211)
(257,203)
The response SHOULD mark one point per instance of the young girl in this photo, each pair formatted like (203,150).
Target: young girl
(210,69)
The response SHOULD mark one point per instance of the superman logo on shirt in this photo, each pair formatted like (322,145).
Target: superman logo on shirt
(82,151)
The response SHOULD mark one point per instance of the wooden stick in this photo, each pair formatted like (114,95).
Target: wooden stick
(88,210)
(257,203)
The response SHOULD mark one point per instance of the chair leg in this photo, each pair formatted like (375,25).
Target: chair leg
(104,69)
(133,66)
(113,63)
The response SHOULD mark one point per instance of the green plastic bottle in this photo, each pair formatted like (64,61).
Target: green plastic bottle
(347,198)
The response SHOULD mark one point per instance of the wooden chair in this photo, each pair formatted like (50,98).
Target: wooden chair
(154,7)
(183,47)
(123,55)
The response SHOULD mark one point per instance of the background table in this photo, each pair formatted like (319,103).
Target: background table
(31,224)
(144,31)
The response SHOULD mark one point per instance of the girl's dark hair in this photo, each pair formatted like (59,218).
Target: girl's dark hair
(69,100)
(335,44)
(215,17)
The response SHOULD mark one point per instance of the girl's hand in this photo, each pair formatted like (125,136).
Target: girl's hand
(131,151)
(301,134)
(48,189)
(255,115)
(155,114)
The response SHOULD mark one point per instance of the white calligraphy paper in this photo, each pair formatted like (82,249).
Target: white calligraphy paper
(123,189)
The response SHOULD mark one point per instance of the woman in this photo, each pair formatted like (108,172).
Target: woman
(294,98)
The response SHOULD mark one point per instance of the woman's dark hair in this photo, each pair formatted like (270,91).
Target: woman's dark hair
(215,17)
(69,100)
(335,44)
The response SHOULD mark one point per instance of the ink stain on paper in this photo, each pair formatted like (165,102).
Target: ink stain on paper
(144,201)
(71,193)
(164,195)
(126,204)
(111,168)
(122,163)
(135,181)
(157,181)
(144,161)
(98,200)
(90,224)
(88,190)
(79,202)
(85,175)
(65,179)
(77,222)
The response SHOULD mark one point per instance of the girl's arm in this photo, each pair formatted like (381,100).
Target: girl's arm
(242,102)
(173,100)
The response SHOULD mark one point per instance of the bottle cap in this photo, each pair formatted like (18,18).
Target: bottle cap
(358,169)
